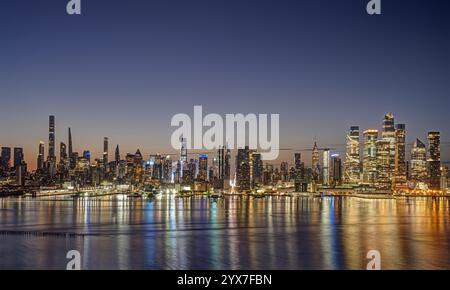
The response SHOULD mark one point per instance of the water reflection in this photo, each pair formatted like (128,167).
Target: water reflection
(231,233)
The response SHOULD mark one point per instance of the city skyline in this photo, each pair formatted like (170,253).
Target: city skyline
(33,161)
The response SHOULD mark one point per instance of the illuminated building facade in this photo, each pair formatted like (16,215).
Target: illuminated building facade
(370,157)
(352,171)
(326,168)
(434,160)
(315,162)
(202,167)
(418,162)
(40,157)
(336,170)
(400,175)
(383,153)
(243,170)
(388,134)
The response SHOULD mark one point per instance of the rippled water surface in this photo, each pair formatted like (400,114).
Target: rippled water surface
(231,233)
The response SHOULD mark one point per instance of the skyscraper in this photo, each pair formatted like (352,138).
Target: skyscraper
(243,179)
(257,169)
(315,162)
(40,157)
(336,170)
(18,156)
(434,160)
(298,172)
(72,159)
(105,153)
(117,155)
(51,139)
(326,168)
(418,162)
(6,158)
(400,156)
(352,173)
(203,167)
(383,153)
(370,157)
(388,135)
(63,153)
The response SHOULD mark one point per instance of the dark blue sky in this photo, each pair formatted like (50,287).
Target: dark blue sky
(124,67)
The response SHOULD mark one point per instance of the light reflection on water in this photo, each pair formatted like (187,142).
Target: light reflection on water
(232,233)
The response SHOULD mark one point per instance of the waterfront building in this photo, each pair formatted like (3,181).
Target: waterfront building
(444,178)
(105,154)
(352,171)
(418,162)
(434,160)
(5,159)
(51,140)
(383,180)
(336,170)
(202,168)
(315,165)
(370,157)
(40,157)
(388,134)
(326,168)
(243,170)
(18,156)
(400,174)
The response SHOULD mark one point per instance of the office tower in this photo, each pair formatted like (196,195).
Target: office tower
(105,153)
(383,154)
(336,170)
(326,168)
(444,178)
(400,156)
(138,161)
(202,167)
(298,166)
(315,162)
(51,139)
(370,157)
(434,160)
(243,181)
(221,162)
(284,171)
(418,162)
(227,173)
(388,135)
(183,150)
(157,166)
(18,157)
(63,153)
(6,158)
(72,159)
(117,155)
(352,169)
(40,158)
(167,169)
(257,169)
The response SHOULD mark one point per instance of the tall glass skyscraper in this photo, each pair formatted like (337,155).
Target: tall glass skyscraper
(434,160)
(352,171)
(370,157)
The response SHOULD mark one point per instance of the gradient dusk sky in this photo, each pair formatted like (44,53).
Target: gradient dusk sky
(124,67)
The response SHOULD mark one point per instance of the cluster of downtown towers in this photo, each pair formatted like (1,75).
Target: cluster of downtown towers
(382,165)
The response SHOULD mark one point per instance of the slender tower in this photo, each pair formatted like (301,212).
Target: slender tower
(51,139)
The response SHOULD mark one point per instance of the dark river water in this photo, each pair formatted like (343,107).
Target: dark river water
(232,233)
